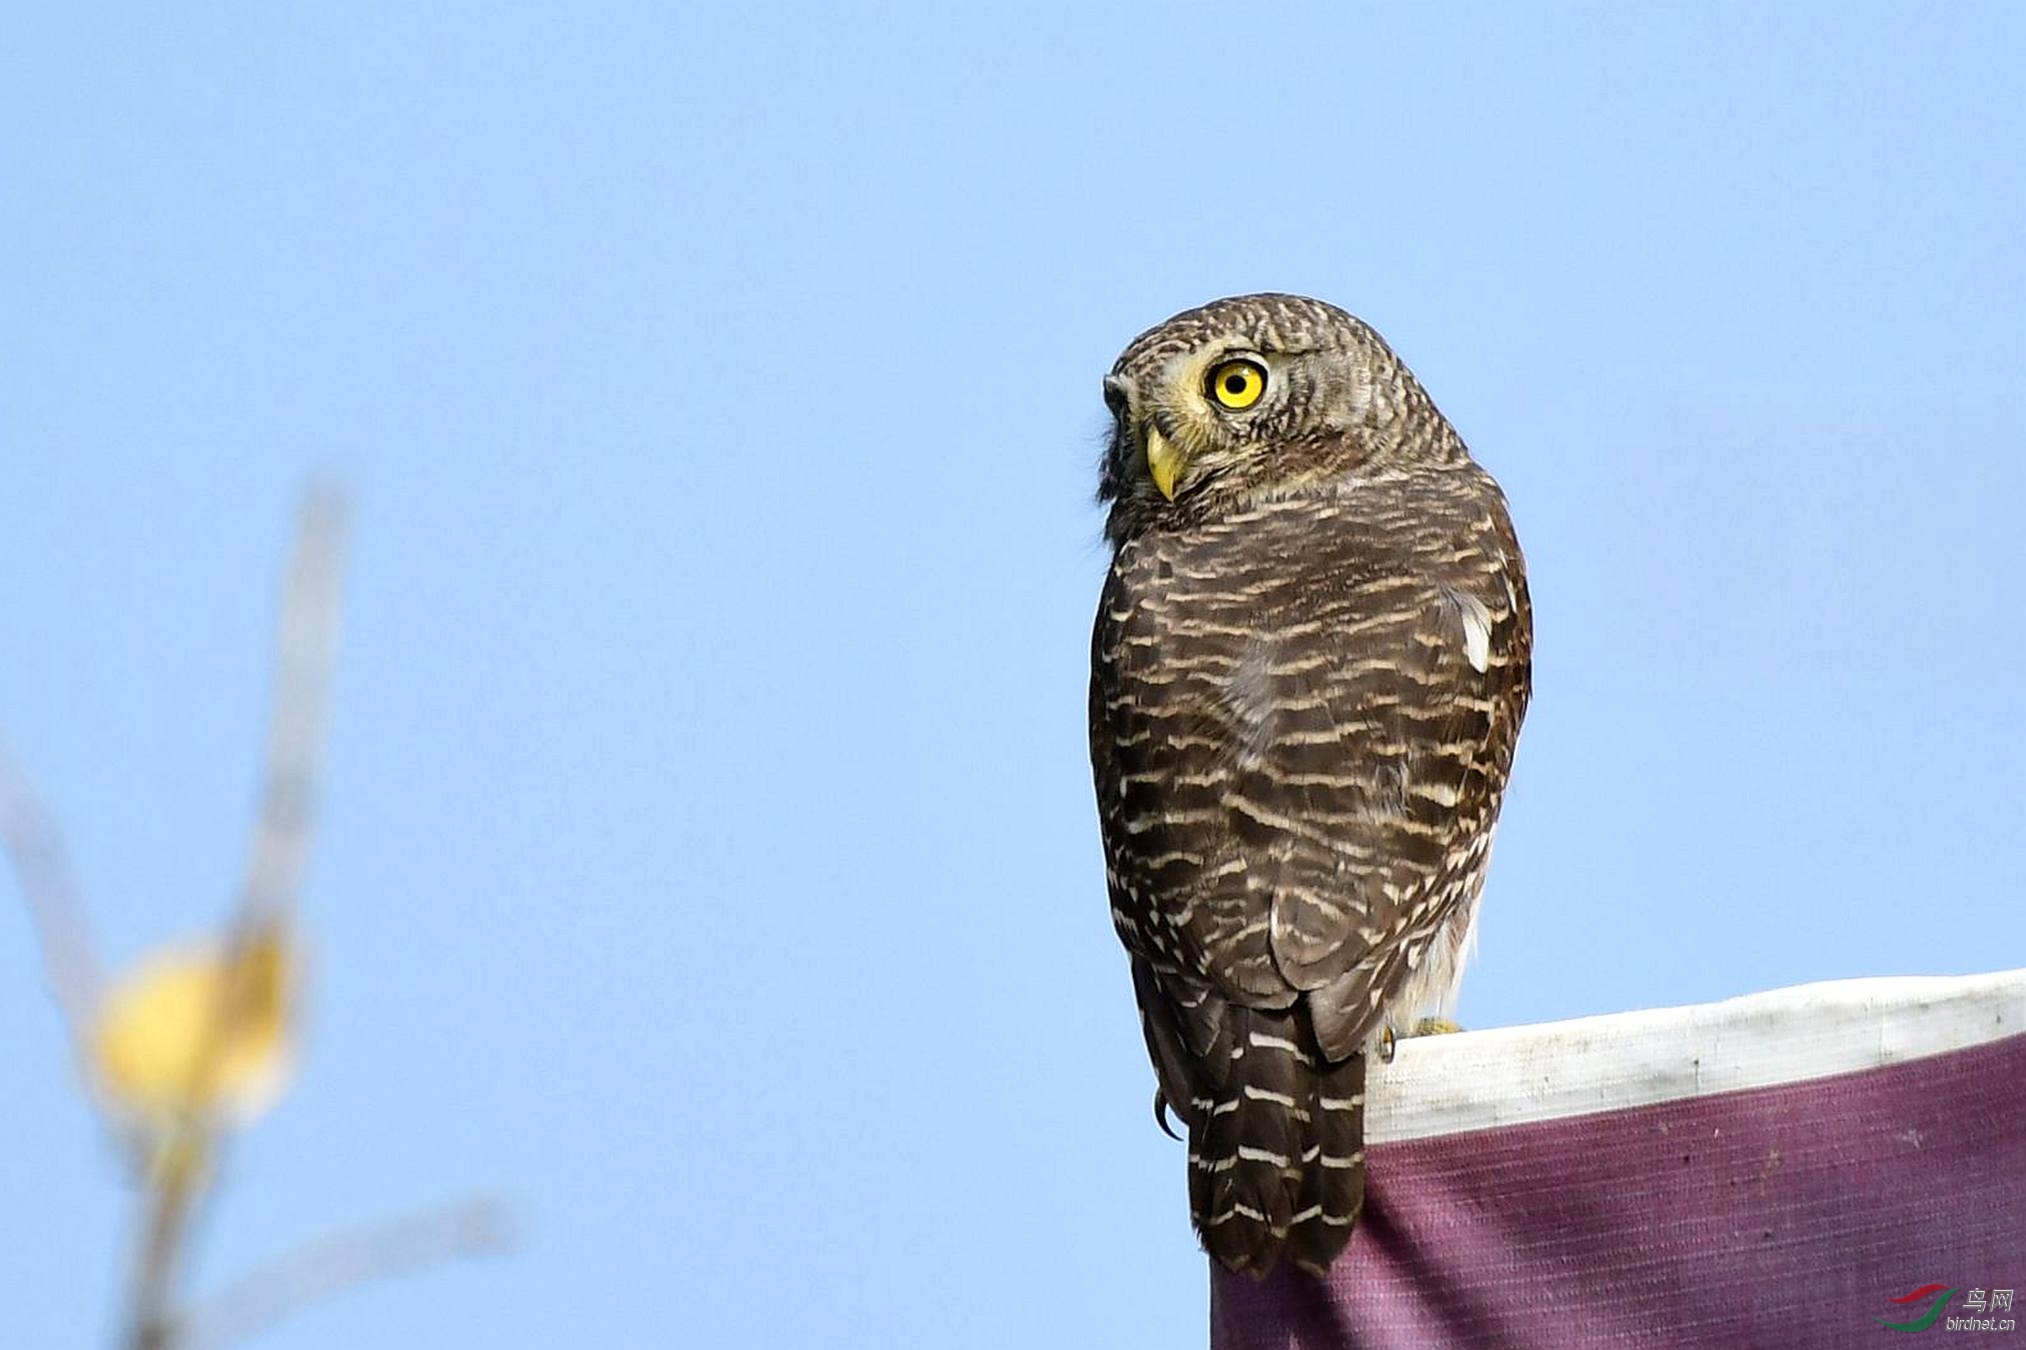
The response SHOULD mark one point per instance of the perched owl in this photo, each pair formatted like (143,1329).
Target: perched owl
(1311,660)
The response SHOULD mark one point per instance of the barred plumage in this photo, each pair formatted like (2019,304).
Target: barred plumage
(1310,664)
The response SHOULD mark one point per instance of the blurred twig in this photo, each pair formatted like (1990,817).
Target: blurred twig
(176,1187)
(54,901)
(305,650)
(184,1154)
(190,1039)
(343,1261)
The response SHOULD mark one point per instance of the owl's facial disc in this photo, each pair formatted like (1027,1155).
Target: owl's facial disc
(1244,396)
(1201,406)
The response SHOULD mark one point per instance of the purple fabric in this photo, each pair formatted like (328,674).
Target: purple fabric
(1783,1217)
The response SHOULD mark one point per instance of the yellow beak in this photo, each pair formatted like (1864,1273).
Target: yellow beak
(1164,462)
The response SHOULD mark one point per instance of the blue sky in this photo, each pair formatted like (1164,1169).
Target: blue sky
(709,864)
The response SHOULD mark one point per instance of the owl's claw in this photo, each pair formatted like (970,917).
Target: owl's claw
(1389,1044)
(1161,1115)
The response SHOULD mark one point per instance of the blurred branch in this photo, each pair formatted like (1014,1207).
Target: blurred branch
(343,1261)
(54,901)
(179,1176)
(193,1040)
(183,1145)
(306,646)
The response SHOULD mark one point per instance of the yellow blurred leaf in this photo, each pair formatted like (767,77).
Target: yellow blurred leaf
(199,1032)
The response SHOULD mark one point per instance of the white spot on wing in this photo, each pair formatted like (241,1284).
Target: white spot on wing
(1476,629)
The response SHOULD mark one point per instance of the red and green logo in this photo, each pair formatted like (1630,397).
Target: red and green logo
(1940,1293)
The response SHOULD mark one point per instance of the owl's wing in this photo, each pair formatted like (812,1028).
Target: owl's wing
(1301,729)
(1427,706)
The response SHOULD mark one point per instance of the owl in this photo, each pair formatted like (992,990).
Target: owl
(1311,660)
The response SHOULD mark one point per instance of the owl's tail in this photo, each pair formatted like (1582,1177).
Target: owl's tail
(1277,1153)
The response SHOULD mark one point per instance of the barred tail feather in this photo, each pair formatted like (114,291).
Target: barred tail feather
(1277,1148)
(1245,1150)
(1333,1168)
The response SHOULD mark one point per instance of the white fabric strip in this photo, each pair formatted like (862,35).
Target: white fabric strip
(1480,1079)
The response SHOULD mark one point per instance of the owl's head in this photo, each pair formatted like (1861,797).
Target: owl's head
(1252,394)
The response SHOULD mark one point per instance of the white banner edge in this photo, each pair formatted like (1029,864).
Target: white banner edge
(1479,1080)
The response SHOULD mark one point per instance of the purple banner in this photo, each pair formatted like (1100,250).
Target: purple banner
(1792,1217)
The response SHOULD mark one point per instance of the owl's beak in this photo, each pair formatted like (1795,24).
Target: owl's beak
(1164,462)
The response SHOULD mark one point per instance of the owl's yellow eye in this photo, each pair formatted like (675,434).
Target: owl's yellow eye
(1237,384)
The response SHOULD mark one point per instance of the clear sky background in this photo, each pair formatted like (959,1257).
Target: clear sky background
(709,864)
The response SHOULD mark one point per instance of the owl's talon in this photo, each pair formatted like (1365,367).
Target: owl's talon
(1389,1041)
(1161,1115)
